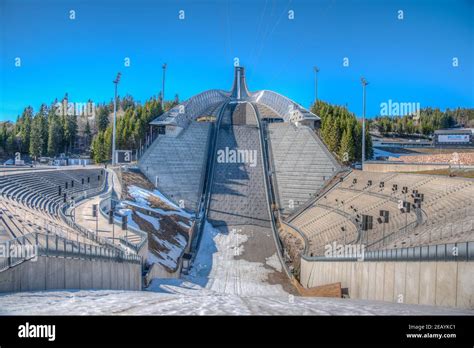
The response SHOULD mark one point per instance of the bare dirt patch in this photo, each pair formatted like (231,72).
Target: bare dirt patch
(134,178)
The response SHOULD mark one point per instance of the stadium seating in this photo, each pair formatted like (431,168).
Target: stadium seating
(446,212)
(25,220)
(40,191)
(266,112)
(280,104)
(179,163)
(30,202)
(184,113)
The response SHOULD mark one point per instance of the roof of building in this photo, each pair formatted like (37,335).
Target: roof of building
(185,112)
(455,131)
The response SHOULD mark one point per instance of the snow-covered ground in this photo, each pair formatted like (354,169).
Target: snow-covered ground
(177,298)
(216,268)
(220,282)
(170,253)
(142,198)
(167,245)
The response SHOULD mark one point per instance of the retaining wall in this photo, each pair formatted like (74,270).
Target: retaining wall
(448,284)
(49,273)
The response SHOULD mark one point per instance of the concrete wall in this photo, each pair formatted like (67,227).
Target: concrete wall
(400,167)
(158,271)
(448,284)
(48,273)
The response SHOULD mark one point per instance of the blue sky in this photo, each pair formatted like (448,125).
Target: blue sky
(407,60)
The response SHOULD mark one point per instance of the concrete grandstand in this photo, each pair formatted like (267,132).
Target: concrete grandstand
(241,197)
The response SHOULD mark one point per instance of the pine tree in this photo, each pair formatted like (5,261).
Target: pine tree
(43,121)
(102,119)
(55,134)
(87,133)
(333,136)
(347,149)
(3,137)
(98,148)
(10,145)
(24,125)
(70,132)
(36,139)
(369,151)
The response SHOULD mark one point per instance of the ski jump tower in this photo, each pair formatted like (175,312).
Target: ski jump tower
(239,89)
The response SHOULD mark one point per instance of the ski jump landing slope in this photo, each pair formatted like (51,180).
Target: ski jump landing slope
(244,260)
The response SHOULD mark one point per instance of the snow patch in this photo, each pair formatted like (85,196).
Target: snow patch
(274,262)
(142,196)
(152,220)
(170,257)
(216,267)
(176,297)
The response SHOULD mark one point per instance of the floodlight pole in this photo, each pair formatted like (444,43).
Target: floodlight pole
(116,82)
(364,84)
(163,88)
(316,70)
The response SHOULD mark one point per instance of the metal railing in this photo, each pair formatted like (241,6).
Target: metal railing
(331,184)
(204,205)
(391,236)
(303,236)
(84,231)
(143,235)
(441,252)
(271,164)
(19,249)
(269,194)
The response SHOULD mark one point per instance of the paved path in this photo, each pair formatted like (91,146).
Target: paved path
(83,215)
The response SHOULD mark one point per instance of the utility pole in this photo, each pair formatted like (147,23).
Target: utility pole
(364,84)
(316,70)
(116,82)
(163,89)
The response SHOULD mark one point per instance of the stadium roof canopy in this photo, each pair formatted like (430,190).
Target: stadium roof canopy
(190,109)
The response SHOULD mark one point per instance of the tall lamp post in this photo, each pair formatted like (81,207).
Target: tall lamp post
(116,82)
(163,89)
(316,70)
(364,84)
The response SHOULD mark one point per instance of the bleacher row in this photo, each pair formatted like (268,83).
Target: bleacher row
(282,105)
(30,202)
(196,106)
(446,213)
(301,163)
(17,221)
(211,110)
(176,163)
(266,112)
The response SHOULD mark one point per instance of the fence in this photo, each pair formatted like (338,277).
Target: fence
(104,206)
(36,244)
(86,232)
(441,252)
